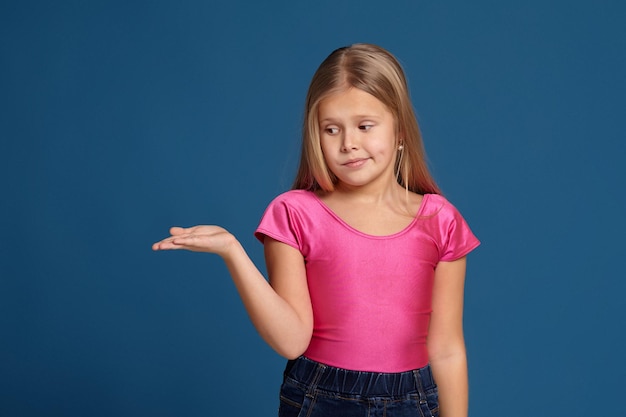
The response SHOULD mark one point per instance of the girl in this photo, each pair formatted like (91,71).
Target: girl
(366,260)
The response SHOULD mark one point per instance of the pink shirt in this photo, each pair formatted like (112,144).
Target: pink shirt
(371,295)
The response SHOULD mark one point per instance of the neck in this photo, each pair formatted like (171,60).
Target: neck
(372,195)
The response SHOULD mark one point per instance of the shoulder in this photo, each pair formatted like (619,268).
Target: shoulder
(289,217)
(448,227)
(295,197)
(296,206)
(293,200)
(437,206)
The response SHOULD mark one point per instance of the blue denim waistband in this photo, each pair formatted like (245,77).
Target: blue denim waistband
(315,375)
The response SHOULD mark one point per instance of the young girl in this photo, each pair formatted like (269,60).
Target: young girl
(366,260)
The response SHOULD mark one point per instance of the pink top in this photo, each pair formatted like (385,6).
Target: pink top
(371,295)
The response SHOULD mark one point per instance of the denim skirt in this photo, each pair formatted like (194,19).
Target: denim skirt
(312,389)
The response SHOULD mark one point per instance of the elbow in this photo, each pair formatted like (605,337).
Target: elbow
(293,348)
(445,352)
(447,356)
(291,355)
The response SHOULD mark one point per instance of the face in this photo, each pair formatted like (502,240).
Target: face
(358,139)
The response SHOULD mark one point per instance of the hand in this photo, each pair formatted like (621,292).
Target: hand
(212,239)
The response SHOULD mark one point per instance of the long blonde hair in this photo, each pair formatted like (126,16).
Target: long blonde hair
(374,70)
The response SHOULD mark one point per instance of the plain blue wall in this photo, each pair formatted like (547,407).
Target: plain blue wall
(119,119)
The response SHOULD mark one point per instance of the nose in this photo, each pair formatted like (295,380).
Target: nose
(348,141)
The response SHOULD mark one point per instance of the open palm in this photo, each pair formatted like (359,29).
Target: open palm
(212,239)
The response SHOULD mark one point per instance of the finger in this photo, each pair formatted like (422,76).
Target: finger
(160,245)
(168,241)
(167,244)
(176,230)
(185,240)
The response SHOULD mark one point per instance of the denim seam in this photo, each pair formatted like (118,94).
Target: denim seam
(316,379)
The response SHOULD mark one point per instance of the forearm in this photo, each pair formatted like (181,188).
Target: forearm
(446,344)
(450,373)
(275,320)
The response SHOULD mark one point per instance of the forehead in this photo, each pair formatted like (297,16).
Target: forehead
(350,102)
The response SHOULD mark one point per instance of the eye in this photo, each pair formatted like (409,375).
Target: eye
(331,130)
(365,127)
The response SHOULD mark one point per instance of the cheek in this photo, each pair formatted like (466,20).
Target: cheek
(384,148)
(326,155)
(326,148)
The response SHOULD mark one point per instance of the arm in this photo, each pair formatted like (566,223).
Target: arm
(446,345)
(281,312)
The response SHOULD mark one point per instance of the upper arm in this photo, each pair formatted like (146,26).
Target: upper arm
(445,334)
(287,276)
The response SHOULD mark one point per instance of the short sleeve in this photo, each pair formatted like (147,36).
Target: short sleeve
(280,222)
(457,238)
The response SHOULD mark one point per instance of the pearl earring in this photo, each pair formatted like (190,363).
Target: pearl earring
(400,147)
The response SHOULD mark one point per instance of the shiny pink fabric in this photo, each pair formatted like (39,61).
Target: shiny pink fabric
(371,295)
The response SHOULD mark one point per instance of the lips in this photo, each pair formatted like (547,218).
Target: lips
(355,163)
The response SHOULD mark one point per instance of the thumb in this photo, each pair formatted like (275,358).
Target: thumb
(176,230)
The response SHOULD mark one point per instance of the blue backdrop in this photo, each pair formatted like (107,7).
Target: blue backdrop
(119,119)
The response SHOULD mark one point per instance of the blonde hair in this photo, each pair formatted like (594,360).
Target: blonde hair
(372,69)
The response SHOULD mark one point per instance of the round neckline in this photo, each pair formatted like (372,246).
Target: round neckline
(361,233)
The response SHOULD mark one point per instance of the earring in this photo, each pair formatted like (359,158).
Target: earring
(401,147)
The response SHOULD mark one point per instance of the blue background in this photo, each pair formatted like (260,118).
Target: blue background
(119,119)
